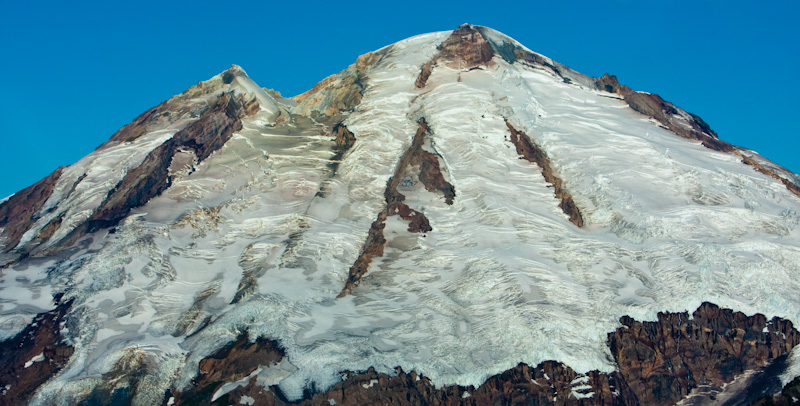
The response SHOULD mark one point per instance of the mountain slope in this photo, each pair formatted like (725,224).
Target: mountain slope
(452,204)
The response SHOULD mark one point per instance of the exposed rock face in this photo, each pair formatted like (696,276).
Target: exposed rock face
(232,363)
(337,93)
(18,213)
(659,363)
(663,361)
(136,128)
(531,152)
(177,107)
(417,162)
(274,233)
(127,383)
(758,167)
(465,48)
(684,124)
(152,177)
(33,356)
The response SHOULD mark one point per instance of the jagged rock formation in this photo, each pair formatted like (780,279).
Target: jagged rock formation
(33,356)
(659,363)
(678,121)
(454,205)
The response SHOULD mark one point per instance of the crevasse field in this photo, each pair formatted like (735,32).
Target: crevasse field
(503,278)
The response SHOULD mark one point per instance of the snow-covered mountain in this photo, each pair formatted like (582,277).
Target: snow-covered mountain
(451,219)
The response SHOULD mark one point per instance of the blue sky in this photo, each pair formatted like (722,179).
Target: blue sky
(77,71)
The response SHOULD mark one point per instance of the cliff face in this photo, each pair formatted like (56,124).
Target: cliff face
(658,363)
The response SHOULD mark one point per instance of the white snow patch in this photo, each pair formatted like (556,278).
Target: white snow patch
(37,358)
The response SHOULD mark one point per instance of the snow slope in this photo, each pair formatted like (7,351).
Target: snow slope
(503,278)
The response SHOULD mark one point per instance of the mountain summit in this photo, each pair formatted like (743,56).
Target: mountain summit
(453,219)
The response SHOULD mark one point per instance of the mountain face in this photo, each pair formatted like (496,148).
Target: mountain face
(453,219)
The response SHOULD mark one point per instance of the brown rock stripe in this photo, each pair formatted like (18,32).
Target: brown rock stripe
(531,152)
(19,212)
(430,175)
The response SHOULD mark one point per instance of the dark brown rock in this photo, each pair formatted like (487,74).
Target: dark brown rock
(138,127)
(466,47)
(425,73)
(151,178)
(663,361)
(373,247)
(344,138)
(659,363)
(666,113)
(758,167)
(232,363)
(531,152)
(429,173)
(18,213)
(22,372)
(204,136)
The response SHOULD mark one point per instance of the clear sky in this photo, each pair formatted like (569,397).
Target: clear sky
(74,72)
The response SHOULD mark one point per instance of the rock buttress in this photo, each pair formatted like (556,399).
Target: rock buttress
(204,136)
(465,48)
(232,363)
(33,356)
(662,361)
(426,166)
(18,213)
(717,345)
(684,124)
(531,152)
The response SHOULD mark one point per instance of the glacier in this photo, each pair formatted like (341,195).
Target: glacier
(502,278)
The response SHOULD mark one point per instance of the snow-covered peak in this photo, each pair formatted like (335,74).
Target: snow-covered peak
(237,80)
(249,220)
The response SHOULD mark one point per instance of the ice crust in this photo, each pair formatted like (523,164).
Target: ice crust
(503,278)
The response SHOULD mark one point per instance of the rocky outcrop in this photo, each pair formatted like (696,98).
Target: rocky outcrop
(425,73)
(232,363)
(417,163)
(659,363)
(531,152)
(337,93)
(465,48)
(204,136)
(129,382)
(190,104)
(19,212)
(138,127)
(684,124)
(33,356)
(662,361)
(760,168)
